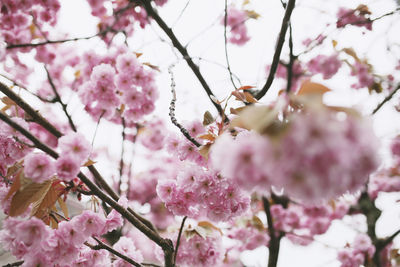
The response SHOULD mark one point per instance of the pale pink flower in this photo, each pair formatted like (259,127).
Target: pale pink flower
(39,167)
(67,167)
(76,145)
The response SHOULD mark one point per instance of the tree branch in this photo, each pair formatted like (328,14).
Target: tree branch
(165,244)
(179,239)
(168,31)
(281,39)
(101,245)
(172,110)
(36,117)
(58,99)
(275,240)
(226,45)
(386,99)
(291,61)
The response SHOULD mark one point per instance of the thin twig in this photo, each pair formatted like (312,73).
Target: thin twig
(386,99)
(226,44)
(278,50)
(291,61)
(178,240)
(165,244)
(180,14)
(12,46)
(17,263)
(177,44)
(50,128)
(101,245)
(58,99)
(121,162)
(172,110)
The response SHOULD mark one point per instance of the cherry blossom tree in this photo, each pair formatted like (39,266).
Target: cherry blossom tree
(266,161)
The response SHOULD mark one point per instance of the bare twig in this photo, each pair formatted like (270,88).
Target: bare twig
(172,110)
(386,99)
(281,39)
(226,44)
(121,162)
(50,128)
(178,240)
(168,31)
(291,60)
(17,263)
(165,244)
(58,99)
(102,245)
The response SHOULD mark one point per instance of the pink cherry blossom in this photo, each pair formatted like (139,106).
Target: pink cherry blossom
(39,167)
(76,145)
(67,167)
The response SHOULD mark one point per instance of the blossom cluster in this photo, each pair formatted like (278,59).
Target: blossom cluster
(326,65)
(303,222)
(200,251)
(322,154)
(11,150)
(18,19)
(116,85)
(75,151)
(362,249)
(123,17)
(182,148)
(358,17)
(143,190)
(298,71)
(202,193)
(362,72)
(37,244)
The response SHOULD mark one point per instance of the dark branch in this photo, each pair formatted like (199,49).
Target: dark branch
(36,117)
(168,31)
(386,99)
(172,110)
(291,61)
(226,44)
(101,245)
(275,240)
(58,99)
(18,263)
(278,50)
(121,161)
(165,244)
(178,240)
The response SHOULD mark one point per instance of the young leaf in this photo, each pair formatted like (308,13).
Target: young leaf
(63,207)
(245,87)
(14,187)
(256,118)
(208,226)
(207,118)
(42,206)
(311,88)
(30,193)
(89,162)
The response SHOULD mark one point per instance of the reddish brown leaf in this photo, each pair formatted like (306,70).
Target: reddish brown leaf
(42,206)
(28,194)
(207,225)
(311,88)
(245,87)
(208,136)
(250,98)
(16,185)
